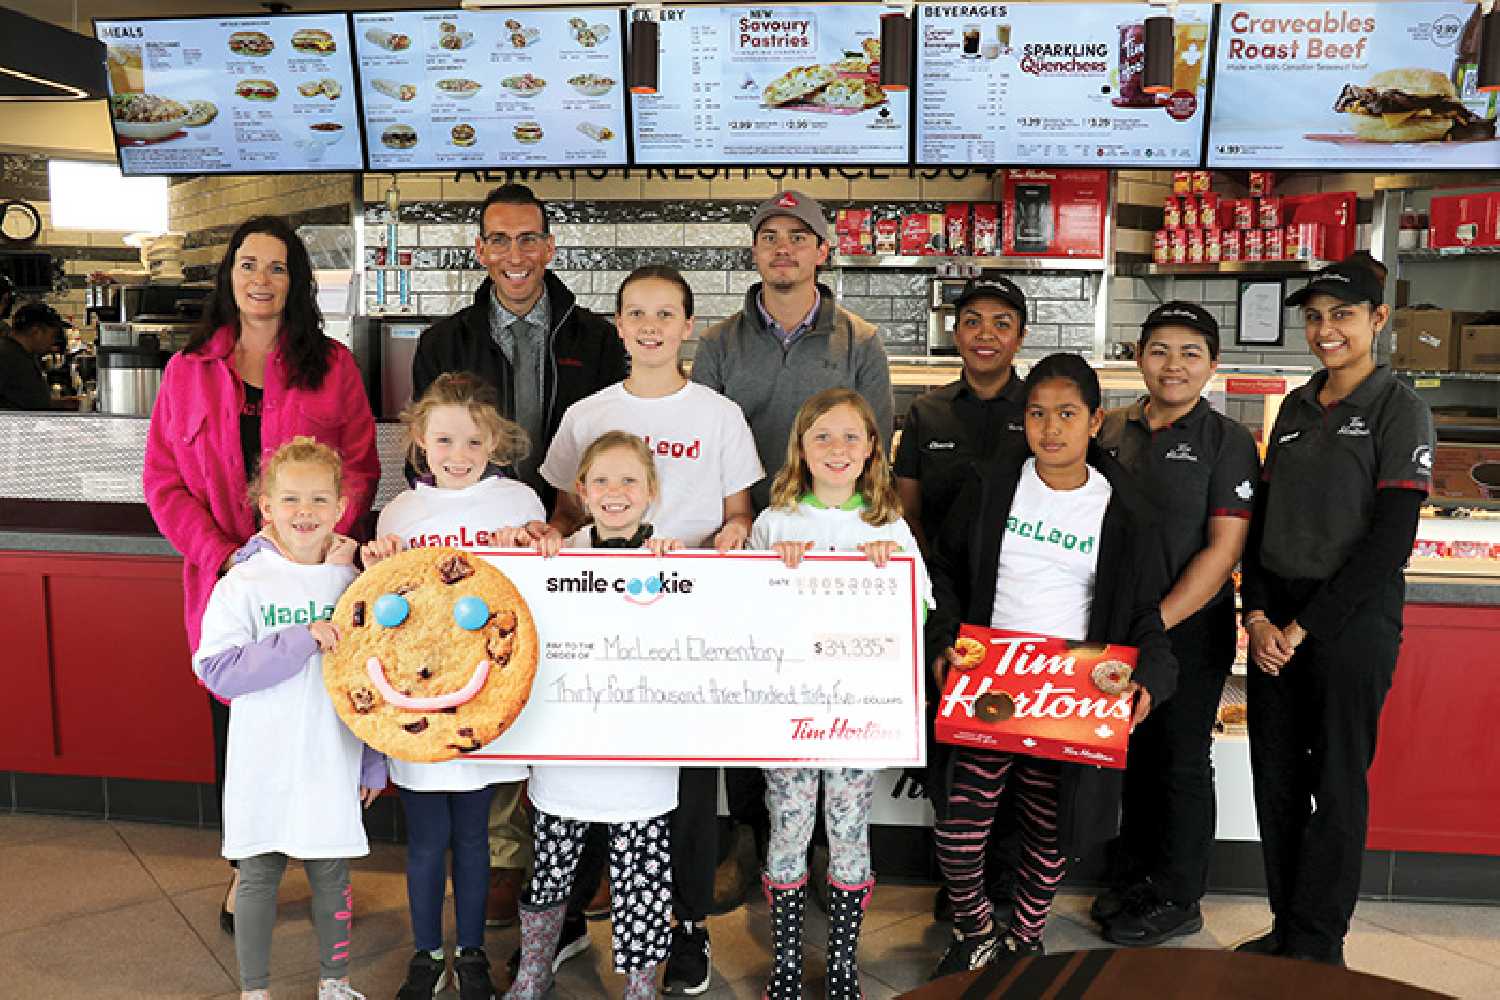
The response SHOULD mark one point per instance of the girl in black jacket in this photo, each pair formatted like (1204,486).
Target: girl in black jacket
(1061,544)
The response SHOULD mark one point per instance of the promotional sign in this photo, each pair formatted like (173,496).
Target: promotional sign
(1055,213)
(1358,86)
(518,88)
(1058,84)
(787,84)
(1038,695)
(700,659)
(232,95)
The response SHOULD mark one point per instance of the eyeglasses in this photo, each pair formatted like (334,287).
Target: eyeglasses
(527,242)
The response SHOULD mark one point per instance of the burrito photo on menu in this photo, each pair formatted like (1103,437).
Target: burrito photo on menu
(398,91)
(391,41)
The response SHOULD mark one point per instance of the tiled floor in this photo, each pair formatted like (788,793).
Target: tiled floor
(92,909)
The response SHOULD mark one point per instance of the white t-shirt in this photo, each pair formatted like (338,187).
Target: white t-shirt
(464,519)
(836,529)
(602,794)
(291,778)
(702,447)
(1045,580)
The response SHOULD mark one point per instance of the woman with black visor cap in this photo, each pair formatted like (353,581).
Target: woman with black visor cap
(1348,465)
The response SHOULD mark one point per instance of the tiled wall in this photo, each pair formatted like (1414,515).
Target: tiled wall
(209,208)
(80,251)
(606,228)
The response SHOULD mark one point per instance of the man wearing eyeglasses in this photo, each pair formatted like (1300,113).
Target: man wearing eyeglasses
(525,333)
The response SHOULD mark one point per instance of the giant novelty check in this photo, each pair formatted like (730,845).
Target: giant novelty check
(700,659)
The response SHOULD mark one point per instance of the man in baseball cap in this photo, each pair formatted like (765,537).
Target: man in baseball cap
(788,342)
(35,331)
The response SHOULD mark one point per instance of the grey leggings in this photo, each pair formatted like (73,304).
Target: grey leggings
(255,916)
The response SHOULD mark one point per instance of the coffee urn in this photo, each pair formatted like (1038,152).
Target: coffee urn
(129,376)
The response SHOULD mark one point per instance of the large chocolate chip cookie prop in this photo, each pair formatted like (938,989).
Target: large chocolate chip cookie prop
(436,654)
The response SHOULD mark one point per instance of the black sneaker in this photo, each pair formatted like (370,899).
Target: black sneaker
(1121,899)
(690,964)
(1268,943)
(966,955)
(425,978)
(942,906)
(472,970)
(1154,922)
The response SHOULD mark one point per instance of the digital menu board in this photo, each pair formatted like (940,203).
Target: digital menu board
(793,84)
(453,89)
(232,95)
(1357,86)
(1056,84)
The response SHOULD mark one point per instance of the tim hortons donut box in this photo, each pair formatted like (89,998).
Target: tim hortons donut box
(1038,695)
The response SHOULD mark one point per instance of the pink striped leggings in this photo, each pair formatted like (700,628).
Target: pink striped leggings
(979,777)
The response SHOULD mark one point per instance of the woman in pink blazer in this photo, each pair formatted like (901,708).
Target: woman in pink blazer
(257,373)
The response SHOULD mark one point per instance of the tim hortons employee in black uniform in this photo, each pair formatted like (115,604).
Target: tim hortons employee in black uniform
(1200,468)
(1348,465)
(36,328)
(978,417)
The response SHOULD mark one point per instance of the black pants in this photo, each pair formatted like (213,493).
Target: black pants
(593,858)
(1312,738)
(695,842)
(218,714)
(1169,811)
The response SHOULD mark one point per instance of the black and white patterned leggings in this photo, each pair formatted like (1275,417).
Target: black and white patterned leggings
(640,881)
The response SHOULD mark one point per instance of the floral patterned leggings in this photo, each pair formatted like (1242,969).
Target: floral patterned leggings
(792,799)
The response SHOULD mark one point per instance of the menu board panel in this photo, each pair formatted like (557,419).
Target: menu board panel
(232,95)
(740,85)
(1056,84)
(504,88)
(1360,86)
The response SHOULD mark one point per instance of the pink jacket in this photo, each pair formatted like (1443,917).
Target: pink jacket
(194,477)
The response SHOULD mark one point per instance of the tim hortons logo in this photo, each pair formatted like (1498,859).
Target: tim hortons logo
(1052,699)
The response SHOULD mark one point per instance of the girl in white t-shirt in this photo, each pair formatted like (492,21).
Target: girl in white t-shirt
(616,484)
(459,442)
(1057,543)
(834,493)
(264,633)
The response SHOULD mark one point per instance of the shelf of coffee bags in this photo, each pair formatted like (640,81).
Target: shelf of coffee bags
(1446,253)
(939,261)
(1225,267)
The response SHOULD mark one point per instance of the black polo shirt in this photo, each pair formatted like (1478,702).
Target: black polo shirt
(948,429)
(22,384)
(1200,466)
(1323,467)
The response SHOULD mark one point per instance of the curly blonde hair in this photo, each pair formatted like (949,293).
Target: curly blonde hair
(508,442)
(882,505)
(297,451)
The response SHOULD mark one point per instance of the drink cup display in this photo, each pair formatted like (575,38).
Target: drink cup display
(1190,53)
(971,41)
(125,73)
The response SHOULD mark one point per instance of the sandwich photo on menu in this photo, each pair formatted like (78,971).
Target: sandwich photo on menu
(1410,105)
(399,137)
(314,41)
(251,43)
(256,90)
(391,41)
(394,90)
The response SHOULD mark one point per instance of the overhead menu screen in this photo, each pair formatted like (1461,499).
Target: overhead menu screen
(1360,86)
(232,95)
(1057,84)
(783,84)
(523,88)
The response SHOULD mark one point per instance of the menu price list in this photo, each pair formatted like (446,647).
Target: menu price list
(232,95)
(1361,86)
(447,89)
(1008,83)
(769,86)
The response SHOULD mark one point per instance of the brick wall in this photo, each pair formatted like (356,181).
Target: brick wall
(209,208)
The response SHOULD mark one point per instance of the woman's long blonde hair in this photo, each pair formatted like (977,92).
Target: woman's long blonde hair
(882,505)
(509,442)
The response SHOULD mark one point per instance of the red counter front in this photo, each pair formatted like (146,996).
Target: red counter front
(96,659)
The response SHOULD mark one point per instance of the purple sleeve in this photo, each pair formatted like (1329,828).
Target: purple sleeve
(257,543)
(258,665)
(372,770)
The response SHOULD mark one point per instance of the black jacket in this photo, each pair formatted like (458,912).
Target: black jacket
(22,384)
(584,355)
(1131,578)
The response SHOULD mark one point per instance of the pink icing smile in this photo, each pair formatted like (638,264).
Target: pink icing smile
(452,699)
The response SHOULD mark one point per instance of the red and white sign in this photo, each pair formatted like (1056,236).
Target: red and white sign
(1255,386)
(1055,213)
(1038,695)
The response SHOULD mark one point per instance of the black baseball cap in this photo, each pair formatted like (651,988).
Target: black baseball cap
(1001,288)
(1347,281)
(1188,314)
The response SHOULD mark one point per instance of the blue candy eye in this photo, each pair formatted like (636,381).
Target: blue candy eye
(471,613)
(391,610)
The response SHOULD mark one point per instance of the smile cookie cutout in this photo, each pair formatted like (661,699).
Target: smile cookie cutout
(436,655)
(970,653)
(1111,676)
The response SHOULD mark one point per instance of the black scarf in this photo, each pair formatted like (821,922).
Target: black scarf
(635,541)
